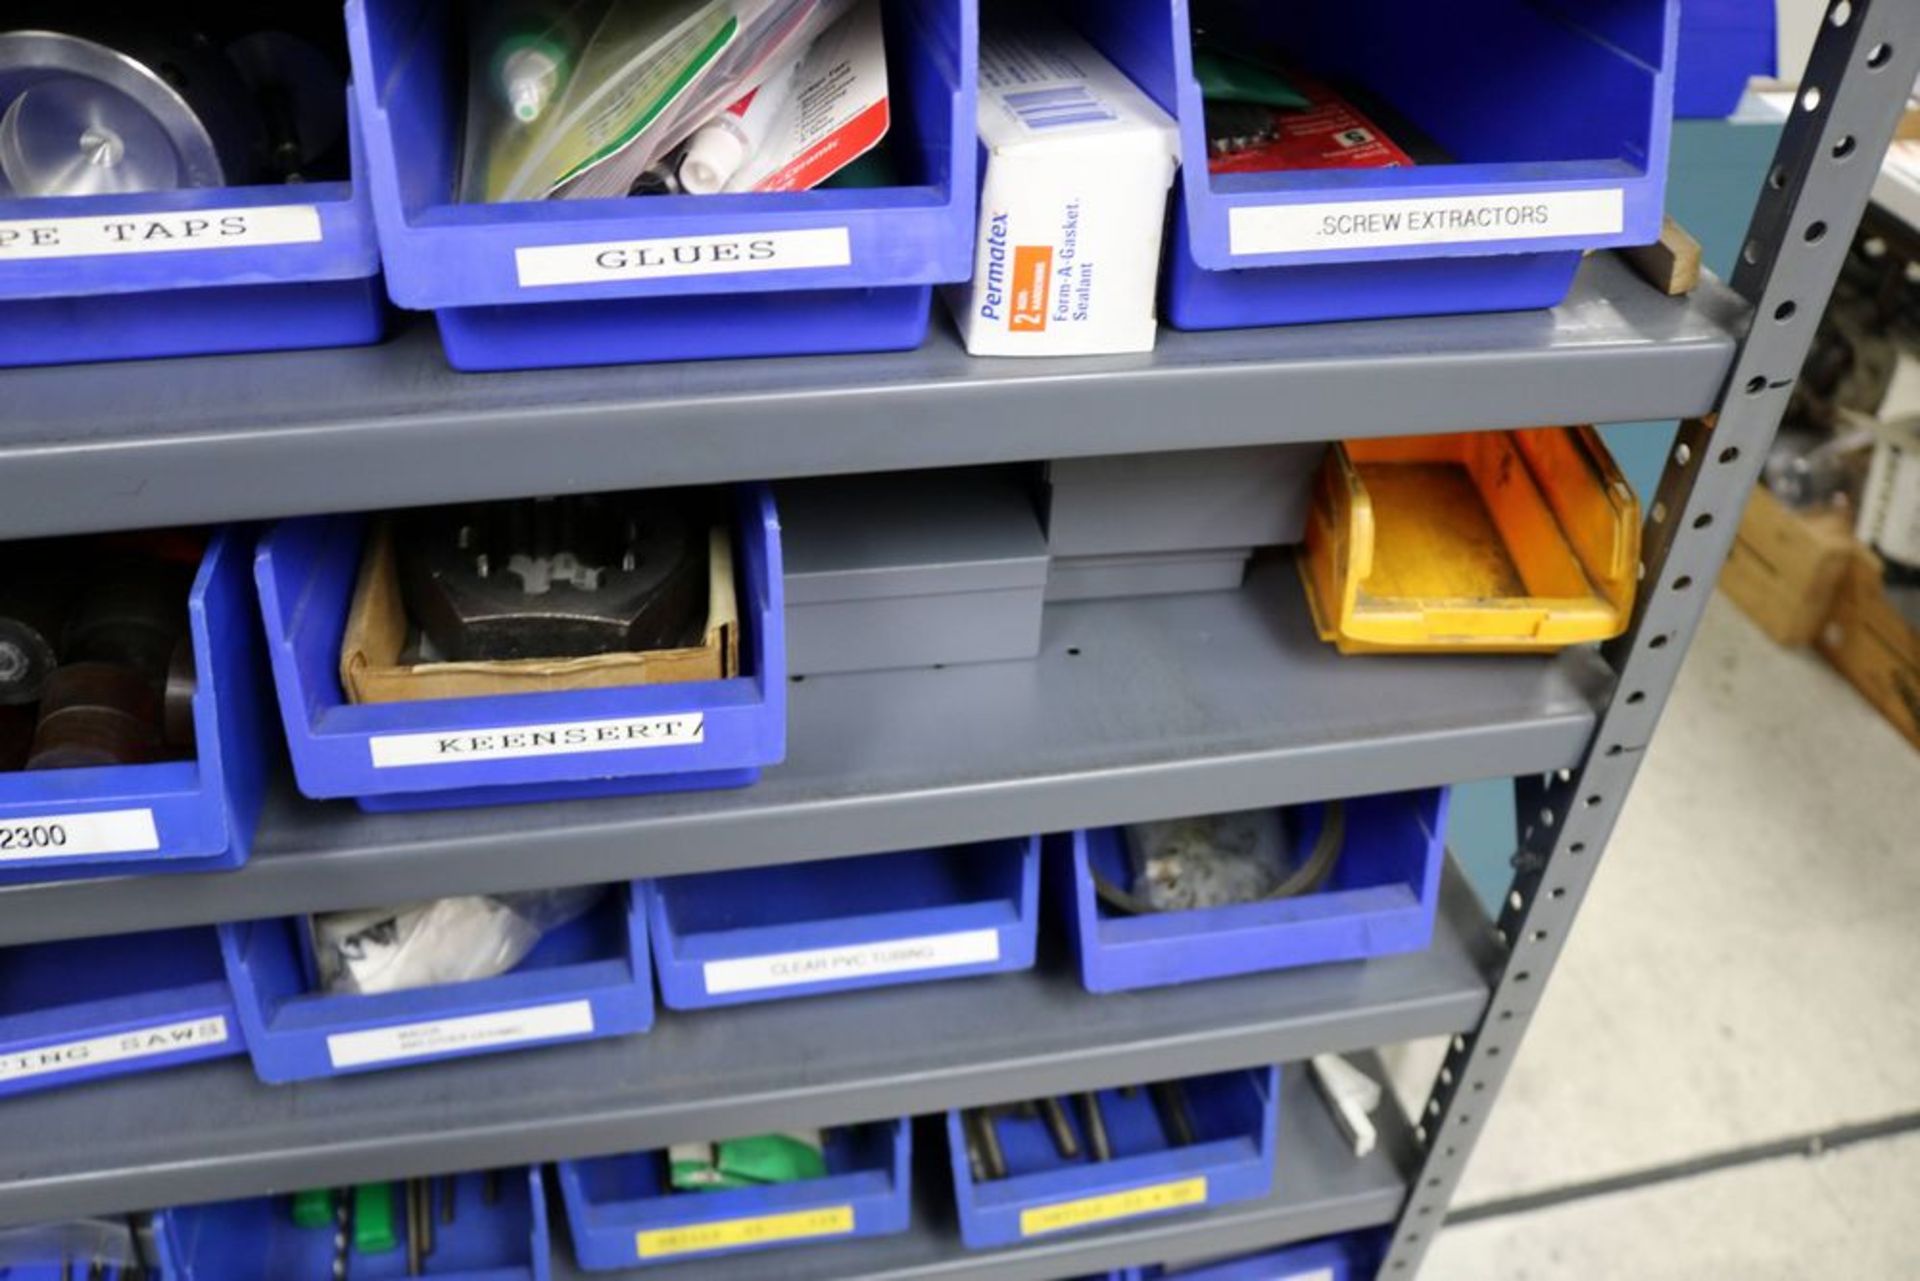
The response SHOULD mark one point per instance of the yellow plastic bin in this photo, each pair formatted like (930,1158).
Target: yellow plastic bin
(1495,542)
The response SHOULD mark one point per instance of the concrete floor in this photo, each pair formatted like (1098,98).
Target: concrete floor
(1744,970)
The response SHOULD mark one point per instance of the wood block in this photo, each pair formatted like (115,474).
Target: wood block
(1786,566)
(1672,264)
(1870,643)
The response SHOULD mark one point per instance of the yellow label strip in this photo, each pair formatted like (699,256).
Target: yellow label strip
(1113,1205)
(730,1234)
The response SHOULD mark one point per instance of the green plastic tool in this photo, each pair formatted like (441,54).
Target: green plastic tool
(373,1219)
(313,1208)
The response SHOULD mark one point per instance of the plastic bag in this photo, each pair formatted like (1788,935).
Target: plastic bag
(579,98)
(449,940)
(1210,861)
(107,1242)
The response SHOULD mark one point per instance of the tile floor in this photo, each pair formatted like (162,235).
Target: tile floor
(1745,969)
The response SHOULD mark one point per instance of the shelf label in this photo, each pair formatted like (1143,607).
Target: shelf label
(512,742)
(731,1234)
(1443,220)
(141,1043)
(724,255)
(448,1036)
(1114,1205)
(158,233)
(820,965)
(71,835)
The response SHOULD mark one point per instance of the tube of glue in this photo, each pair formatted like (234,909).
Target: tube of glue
(532,61)
(719,148)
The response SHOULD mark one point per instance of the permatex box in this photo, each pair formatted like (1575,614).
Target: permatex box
(1072,201)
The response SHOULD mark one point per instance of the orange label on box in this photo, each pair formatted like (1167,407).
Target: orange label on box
(1032,278)
(1115,1205)
(726,1234)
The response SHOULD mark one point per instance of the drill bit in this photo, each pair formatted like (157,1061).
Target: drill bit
(423,1188)
(1065,1142)
(976,1164)
(413,1227)
(1096,1127)
(448,1190)
(1171,1102)
(990,1143)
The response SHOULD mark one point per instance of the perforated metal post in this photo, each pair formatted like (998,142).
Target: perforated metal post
(1850,101)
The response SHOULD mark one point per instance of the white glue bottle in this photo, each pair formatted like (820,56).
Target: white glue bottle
(721,146)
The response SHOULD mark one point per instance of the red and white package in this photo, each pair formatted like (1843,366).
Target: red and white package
(836,110)
(1331,133)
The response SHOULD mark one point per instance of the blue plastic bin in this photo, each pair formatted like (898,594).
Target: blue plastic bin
(174,816)
(285,266)
(1380,899)
(718,733)
(872,256)
(764,933)
(80,1009)
(1723,45)
(621,1215)
(586,979)
(503,1239)
(1234,1116)
(1330,1259)
(1557,114)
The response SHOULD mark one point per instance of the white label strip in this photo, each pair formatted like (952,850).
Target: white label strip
(1449,220)
(71,835)
(158,233)
(510,742)
(895,956)
(472,1032)
(142,1043)
(726,255)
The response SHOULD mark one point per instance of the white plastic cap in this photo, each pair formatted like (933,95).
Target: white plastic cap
(714,155)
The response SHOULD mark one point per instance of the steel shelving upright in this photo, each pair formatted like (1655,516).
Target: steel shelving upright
(1228,702)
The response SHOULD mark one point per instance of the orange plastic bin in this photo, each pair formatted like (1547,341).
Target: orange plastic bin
(1496,541)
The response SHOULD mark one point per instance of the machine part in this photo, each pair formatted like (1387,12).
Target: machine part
(554,577)
(32,613)
(183,679)
(1097,1141)
(1238,126)
(1065,1142)
(490,1187)
(96,714)
(1170,1101)
(1307,878)
(449,1188)
(1352,1096)
(127,112)
(301,94)
(132,615)
(16,737)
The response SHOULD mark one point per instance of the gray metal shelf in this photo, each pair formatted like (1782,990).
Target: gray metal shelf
(212,1131)
(233,438)
(1320,1188)
(1136,709)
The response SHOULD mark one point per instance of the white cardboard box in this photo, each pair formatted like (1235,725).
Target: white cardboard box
(1072,202)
